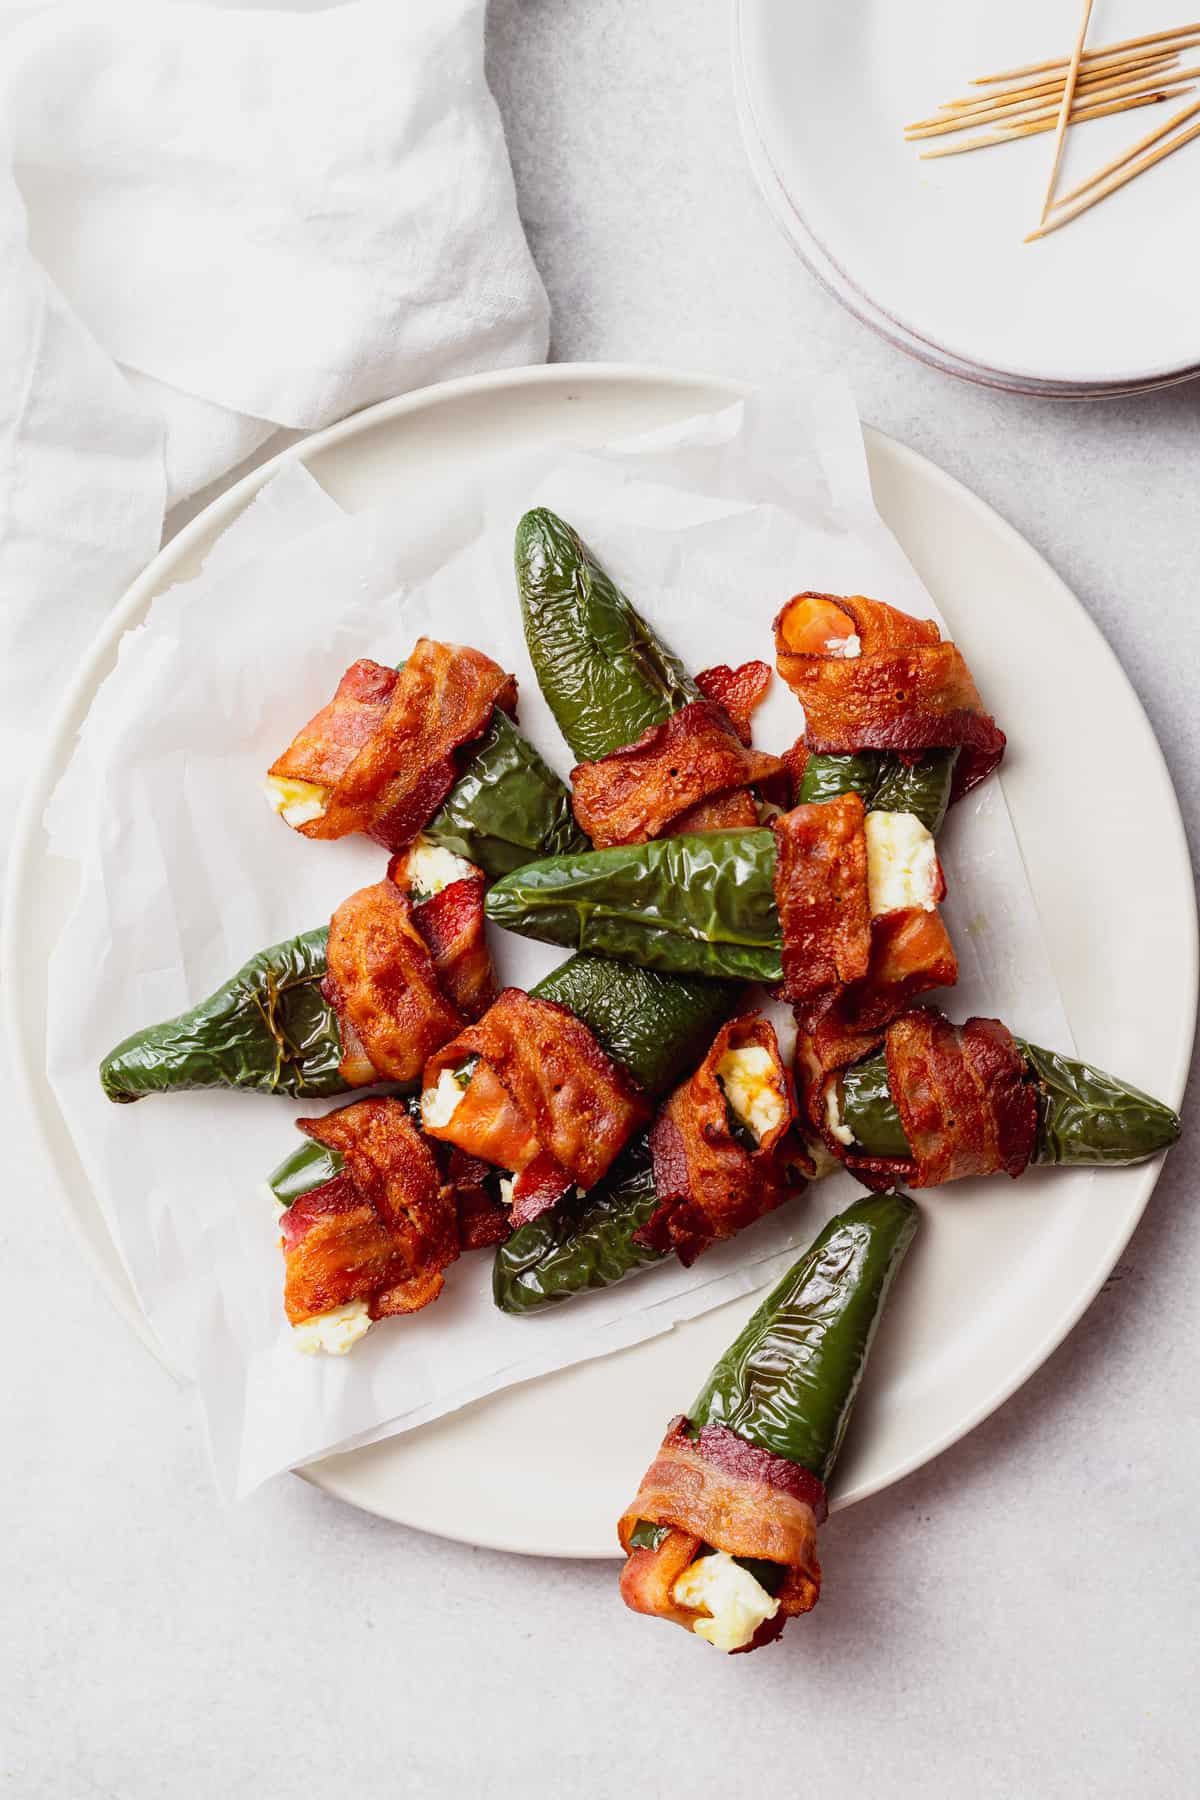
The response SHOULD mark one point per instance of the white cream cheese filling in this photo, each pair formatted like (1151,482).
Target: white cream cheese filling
(749,1079)
(902,864)
(296,802)
(736,1602)
(334,1332)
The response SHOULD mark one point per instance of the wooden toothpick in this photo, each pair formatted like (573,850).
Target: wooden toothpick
(1064,111)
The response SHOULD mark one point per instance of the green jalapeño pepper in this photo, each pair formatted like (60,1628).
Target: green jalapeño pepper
(1085,1117)
(309,1166)
(584,1243)
(698,904)
(788,1381)
(268,1028)
(885,781)
(508,806)
(605,675)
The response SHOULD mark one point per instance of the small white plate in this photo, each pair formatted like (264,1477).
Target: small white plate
(930,254)
(1001,1271)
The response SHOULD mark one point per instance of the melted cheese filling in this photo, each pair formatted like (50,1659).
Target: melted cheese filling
(849,647)
(333,1332)
(735,1602)
(902,864)
(833,1116)
(296,802)
(431,869)
(750,1081)
(439,1104)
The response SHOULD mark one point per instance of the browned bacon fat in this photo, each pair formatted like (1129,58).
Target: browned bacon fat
(715,1489)
(721,1146)
(536,1094)
(872,678)
(380,757)
(689,773)
(382,1231)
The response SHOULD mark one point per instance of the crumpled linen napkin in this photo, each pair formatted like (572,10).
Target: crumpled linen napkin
(213,223)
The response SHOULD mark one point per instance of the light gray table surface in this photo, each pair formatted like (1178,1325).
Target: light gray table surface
(1019,1618)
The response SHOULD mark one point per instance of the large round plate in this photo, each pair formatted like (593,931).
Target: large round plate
(930,254)
(992,1286)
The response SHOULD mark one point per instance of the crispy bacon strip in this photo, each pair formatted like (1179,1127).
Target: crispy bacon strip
(847,974)
(403,979)
(452,926)
(481,1218)
(823,900)
(641,791)
(964,1093)
(872,678)
(911,953)
(737,692)
(551,1095)
(717,1489)
(384,745)
(382,983)
(709,1184)
(381,1231)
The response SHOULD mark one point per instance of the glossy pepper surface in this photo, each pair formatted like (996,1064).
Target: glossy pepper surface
(582,1244)
(885,782)
(789,1379)
(697,904)
(1085,1117)
(268,1028)
(605,674)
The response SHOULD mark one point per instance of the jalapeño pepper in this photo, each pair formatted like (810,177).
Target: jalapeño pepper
(788,1381)
(605,674)
(699,904)
(885,782)
(1085,1117)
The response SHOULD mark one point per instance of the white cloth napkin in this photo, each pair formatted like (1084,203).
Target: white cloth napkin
(214,223)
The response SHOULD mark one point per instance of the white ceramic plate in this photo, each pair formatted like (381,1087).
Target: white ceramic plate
(930,254)
(1001,1271)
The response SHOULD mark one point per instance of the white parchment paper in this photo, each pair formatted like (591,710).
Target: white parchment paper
(709,525)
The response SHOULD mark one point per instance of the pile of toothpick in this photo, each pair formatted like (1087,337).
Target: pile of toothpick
(1069,90)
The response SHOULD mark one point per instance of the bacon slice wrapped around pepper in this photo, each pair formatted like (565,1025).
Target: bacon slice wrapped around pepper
(852,958)
(721,1535)
(403,979)
(873,678)
(965,1097)
(721,1149)
(375,1239)
(529,1089)
(691,773)
(380,757)
(718,1490)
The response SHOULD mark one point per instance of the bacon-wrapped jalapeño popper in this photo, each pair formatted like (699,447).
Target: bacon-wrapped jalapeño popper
(892,717)
(721,1537)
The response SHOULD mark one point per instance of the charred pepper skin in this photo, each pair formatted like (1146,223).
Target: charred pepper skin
(1086,1119)
(789,1380)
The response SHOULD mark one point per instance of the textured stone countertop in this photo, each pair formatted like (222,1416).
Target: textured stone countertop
(1016,1620)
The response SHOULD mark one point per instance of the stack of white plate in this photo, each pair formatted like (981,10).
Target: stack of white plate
(930,253)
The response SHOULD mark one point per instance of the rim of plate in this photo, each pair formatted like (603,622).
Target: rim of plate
(850,294)
(28,847)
